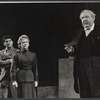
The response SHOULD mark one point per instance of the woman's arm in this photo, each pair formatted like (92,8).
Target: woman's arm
(35,71)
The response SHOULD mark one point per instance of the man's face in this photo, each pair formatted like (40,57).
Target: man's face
(87,20)
(8,43)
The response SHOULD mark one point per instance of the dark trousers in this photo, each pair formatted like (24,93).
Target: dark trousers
(12,91)
(3,91)
(89,77)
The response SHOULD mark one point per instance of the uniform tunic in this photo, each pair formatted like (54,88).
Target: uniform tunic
(26,63)
(5,68)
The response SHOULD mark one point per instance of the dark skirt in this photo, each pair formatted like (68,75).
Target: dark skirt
(26,90)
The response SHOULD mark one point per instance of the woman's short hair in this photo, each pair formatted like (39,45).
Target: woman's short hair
(89,11)
(20,39)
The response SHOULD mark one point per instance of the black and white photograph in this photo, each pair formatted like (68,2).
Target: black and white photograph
(50,49)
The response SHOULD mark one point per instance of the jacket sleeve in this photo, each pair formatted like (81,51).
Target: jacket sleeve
(76,38)
(35,70)
(14,67)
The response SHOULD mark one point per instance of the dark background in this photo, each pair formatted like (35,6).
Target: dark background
(49,27)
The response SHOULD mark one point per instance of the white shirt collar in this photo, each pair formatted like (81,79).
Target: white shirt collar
(87,32)
(91,28)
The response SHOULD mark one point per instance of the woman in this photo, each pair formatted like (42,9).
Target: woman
(26,78)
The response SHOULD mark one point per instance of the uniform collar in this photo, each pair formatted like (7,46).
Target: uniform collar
(24,50)
(12,48)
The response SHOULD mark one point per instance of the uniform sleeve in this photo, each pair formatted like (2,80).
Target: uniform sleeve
(3,62)
(14,67)
(35,68)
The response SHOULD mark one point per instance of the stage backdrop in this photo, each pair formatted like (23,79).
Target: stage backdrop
(49,27)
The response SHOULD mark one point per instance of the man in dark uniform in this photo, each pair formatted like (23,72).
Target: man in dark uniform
(6,60)
(87,57)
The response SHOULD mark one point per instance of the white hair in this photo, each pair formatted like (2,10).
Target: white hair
(88,11)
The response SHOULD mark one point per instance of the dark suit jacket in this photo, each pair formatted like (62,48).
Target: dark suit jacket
(26,62)
(95,40)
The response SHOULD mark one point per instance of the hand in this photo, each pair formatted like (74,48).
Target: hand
(35,84)
(8,61)
(11,60)
(69,49)
(15,83)
(8,56)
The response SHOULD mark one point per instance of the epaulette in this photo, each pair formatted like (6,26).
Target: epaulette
(2,50)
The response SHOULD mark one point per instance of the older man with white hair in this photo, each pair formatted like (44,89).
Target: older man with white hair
(86,50)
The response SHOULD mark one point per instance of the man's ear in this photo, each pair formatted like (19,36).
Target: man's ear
(4,44)
(93,18)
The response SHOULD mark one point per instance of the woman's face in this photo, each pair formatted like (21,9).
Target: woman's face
(24,43)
